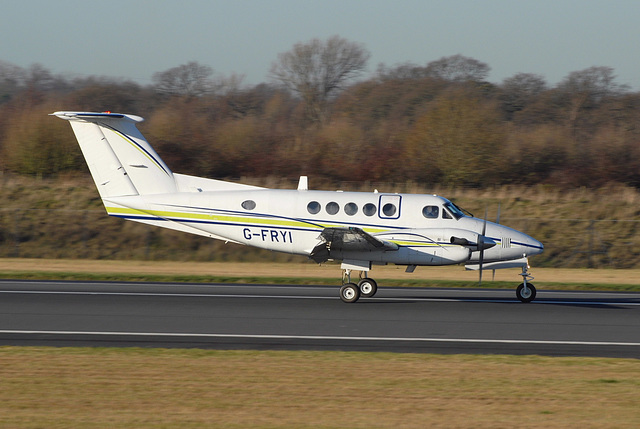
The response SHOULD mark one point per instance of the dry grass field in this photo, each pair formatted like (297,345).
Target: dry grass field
(147,388)
(329,272)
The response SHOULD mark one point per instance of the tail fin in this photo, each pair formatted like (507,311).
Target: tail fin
(120,159)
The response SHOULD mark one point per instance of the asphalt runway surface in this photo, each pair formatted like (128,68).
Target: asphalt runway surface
(289,317)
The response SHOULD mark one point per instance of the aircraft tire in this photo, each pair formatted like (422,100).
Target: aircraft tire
(349,293)
(368,287)
(530,296)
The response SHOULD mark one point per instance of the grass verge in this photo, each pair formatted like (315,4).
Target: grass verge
(177,278)
(159,388)
(305,273)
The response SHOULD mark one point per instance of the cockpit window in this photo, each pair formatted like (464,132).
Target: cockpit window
(453,210)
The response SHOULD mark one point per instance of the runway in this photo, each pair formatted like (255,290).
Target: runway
(277,317)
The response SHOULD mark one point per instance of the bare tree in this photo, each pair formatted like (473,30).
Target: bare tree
(12,78)
(317,70)
(189,80)
(458,68)
(596,82)
(520,89)
(583,92)
(402,71)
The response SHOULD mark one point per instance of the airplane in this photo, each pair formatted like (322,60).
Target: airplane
(360,229)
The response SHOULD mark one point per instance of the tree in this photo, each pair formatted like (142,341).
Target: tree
(457,142)
(458,68)
(188,80)
(583,92)
(36,145)
(318,70)
(594,83)
(401,71)
(520,89)
(102,95)
(12,78)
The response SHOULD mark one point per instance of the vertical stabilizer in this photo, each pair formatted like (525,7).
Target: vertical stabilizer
(120,159)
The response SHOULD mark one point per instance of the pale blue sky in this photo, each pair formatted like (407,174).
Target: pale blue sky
(135,38)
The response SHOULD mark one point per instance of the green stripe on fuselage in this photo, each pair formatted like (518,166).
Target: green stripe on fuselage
(235,219)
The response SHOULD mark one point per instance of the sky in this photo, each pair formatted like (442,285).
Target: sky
(134,39)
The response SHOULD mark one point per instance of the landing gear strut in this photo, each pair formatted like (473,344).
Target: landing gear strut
(526,292)
(351,292)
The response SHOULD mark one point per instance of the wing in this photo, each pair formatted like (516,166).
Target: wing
(350,239)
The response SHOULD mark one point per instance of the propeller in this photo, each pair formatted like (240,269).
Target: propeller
(493,278)
(481,247)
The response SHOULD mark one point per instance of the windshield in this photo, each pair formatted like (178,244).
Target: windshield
(453,209)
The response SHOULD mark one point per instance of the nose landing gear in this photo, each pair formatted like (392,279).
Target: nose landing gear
(526,292)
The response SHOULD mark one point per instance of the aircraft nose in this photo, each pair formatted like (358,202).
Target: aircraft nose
(532,246)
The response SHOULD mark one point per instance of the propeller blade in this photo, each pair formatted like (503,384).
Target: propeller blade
(493,277)
(481,246)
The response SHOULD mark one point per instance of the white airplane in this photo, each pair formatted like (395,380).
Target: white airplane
(360,229)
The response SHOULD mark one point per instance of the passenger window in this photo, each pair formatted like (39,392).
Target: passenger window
(249,205)
(351,209)
(431,212)
(369,209)
(332,208)
(313,207)
(389,206)
(389,209)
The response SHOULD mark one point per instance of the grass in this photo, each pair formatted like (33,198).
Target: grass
(159,388)
(306,273)
(123,277)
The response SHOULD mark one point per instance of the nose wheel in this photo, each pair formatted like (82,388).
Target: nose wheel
(526,292)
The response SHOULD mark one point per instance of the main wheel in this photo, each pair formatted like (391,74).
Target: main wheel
(349,293)
(527,296)
(368,287)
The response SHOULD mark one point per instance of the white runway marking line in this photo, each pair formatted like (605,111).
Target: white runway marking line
(193,295)
(322,337)
(380,298)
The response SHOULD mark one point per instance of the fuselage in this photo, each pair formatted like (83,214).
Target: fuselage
(427,229)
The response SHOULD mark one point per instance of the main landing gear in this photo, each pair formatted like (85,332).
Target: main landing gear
(351,292)
(526,292)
